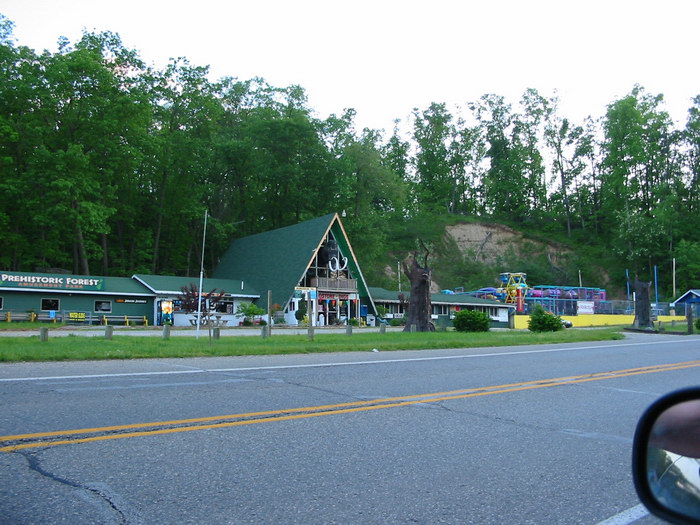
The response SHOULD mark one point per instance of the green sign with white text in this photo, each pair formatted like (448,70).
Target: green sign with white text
(56,282)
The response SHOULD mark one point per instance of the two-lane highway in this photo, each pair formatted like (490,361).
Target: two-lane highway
(537,434)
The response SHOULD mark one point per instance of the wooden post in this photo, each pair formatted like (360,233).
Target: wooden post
(269,312)
(310,332)
(43,334)
(109,330)
(166,332)
(216,333)
(348,329)
(689,316)
(382,328)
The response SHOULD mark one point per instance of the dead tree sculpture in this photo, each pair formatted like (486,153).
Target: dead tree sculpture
(419,304)
(642,304)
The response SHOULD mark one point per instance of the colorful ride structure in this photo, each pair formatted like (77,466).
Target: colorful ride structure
(515,286)
(554,298)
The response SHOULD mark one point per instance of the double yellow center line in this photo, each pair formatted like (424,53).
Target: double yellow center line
(65,437)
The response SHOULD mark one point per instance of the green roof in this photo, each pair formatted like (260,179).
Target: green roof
(169,285)
(382,295)
(277,260)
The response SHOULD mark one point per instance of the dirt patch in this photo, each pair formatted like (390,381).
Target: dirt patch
(488,242)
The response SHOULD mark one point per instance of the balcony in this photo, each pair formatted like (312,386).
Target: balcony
(339,285)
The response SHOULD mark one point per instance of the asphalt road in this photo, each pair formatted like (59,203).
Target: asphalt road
(519,435)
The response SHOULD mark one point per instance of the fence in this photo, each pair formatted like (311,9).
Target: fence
(573,307)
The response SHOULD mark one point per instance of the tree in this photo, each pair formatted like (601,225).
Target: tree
(504,186)
(420,305)
(191,302)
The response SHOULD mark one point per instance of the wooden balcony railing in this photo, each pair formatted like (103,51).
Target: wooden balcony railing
(325,283)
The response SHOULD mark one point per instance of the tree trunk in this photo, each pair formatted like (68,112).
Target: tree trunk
(642,305)
(419,304)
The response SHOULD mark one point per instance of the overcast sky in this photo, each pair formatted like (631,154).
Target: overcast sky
(385,57)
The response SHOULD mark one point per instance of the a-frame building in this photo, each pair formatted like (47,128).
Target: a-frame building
(308,265)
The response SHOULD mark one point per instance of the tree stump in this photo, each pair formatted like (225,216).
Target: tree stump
(642,305)
(419,304)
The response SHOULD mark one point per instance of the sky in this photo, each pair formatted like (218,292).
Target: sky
(385,57)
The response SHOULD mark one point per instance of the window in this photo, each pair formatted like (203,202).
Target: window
(50,304)
(103,306)
(0,303)
(224,307)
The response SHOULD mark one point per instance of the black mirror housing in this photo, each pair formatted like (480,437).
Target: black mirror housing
(665,464)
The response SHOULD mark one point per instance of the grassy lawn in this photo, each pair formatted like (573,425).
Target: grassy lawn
(14,349)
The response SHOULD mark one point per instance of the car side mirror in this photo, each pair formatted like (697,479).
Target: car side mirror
(666,457)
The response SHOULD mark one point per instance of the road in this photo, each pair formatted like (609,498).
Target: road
(521,435)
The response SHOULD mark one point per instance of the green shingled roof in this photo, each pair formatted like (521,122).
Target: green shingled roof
(277,260)
(169,285)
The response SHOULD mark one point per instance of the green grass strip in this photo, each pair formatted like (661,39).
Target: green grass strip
(79,348)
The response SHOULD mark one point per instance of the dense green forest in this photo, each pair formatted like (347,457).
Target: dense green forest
(107,166)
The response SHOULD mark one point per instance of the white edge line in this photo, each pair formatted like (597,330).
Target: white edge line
(627,516)
(323,365)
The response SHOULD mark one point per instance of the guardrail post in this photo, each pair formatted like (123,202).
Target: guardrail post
(109,331)
(166,331)
(43,334)
(689,316)
(414,328)
(310,333)
(348,329)
(216,333)
(263,332)
(382,328)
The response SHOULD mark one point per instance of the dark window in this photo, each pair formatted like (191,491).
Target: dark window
(224,307)
(0,303)
(50,304)
(103,306)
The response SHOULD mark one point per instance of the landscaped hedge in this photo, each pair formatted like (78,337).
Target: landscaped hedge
(471,321)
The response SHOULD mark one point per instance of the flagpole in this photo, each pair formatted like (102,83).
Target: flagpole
(201,277)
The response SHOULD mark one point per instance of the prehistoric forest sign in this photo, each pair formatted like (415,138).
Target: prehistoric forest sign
(9,280)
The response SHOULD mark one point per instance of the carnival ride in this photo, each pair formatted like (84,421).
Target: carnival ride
(554,298)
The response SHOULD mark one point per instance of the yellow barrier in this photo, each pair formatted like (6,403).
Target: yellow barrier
(586,320)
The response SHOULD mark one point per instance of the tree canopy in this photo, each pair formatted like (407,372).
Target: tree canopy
(107,166)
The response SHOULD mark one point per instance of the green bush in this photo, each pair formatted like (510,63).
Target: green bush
(471,321)
(301,312)
(542,321)
(697,324)
(354,321)
(397,322)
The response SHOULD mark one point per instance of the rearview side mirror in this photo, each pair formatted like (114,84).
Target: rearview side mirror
(666,457)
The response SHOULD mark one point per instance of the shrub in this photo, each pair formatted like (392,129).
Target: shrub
(471,321)
(301,312)
(697,324)
(542,321)
(354,321)
(396,322)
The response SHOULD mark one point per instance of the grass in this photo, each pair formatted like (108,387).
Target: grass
(27,325)
(77,348)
